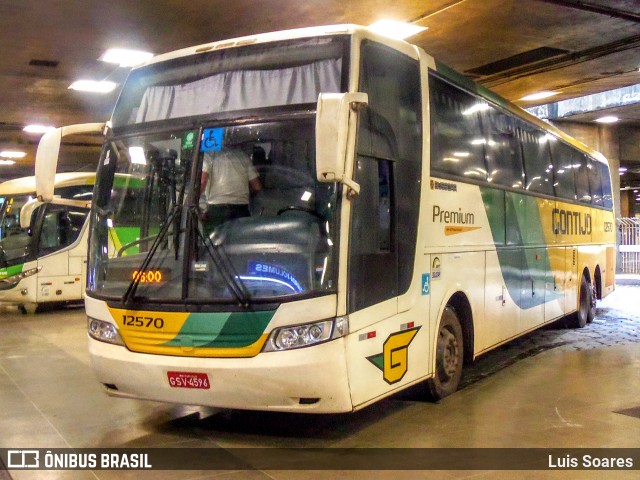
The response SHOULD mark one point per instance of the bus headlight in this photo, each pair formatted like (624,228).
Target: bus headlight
(308,334)
(104,332)
(15,279)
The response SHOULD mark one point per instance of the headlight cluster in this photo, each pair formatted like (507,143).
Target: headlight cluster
(104,332)
(308,334)
(14,279)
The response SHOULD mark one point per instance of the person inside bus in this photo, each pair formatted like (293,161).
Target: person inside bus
(228,180)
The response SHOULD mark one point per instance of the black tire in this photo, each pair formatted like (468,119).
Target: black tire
(592,304)
(449,356)
(586,306)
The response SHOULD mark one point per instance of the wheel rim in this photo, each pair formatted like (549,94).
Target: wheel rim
(448,355)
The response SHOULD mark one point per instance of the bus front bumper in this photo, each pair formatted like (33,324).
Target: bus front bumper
(305,380)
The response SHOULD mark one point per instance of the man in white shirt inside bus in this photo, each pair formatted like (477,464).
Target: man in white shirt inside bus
(227,182)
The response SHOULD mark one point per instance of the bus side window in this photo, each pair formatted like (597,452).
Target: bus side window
(61,227)
(537,159)
(503,154)
(607,194)
(583,191)
(595,182)
(564,160)
(457,142)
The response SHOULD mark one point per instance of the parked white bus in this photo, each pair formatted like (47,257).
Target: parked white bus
(409,220)
(43,247)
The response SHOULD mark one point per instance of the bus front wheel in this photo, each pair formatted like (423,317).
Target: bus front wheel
(28,308)
(449,356)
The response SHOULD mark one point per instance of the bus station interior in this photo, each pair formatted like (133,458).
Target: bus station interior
(555,387)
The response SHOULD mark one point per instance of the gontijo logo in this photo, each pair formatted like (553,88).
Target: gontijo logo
(394,359)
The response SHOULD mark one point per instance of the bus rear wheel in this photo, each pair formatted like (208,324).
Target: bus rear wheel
(449,356)
(586,306)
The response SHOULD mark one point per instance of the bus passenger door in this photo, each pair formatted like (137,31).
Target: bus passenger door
(59,227)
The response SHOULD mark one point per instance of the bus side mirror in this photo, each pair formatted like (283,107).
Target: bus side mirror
(48,152)
(336,123)
(26,213)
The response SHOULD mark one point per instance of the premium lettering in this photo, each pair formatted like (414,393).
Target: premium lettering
(451,216)
(566,222)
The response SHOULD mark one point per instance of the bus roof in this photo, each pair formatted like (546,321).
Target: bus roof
(25,185)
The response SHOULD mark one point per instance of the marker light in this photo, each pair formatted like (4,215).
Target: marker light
(93,86)
(104,331)
(299,336)
(395,29)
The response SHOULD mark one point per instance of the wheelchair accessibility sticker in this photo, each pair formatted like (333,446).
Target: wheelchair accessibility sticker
(212,139)
(426,283)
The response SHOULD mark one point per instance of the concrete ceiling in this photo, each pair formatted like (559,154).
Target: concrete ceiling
(515,47)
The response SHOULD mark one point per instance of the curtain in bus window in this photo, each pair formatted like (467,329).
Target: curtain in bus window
(241,90)
(504,162)
(457,143)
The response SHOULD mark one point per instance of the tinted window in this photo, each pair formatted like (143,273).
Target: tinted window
(607,196)
(537,159)
(504,162)
(583,191)
(457,143)
(565,159)
(595,182)
(61,227)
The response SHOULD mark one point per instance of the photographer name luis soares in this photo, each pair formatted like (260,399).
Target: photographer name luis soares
(589,461)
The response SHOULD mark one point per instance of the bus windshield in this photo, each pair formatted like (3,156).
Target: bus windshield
(166,245)
(15,242)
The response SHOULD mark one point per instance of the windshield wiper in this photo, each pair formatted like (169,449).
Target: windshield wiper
(133,286)
(223,263)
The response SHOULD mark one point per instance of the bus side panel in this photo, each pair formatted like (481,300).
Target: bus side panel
(54,282)
(571,279)
(555,284)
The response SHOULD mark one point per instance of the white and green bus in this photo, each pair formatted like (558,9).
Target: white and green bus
(43,247)
(409,220)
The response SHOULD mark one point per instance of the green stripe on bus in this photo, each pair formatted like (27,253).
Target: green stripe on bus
(10,271)
(222,330)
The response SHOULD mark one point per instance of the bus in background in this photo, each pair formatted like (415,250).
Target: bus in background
(408,221)
(43,245)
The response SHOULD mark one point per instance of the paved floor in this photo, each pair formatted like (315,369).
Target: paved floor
(552,388)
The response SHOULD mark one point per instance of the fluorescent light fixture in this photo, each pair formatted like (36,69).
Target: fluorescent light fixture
(478,107)
(38,128)
(93,86)
(607,119)
(539,95)
(12,154)
(7,162)
(395,29)
(125,57)
(621,169)
(461,154)
(306,196)
(137,155)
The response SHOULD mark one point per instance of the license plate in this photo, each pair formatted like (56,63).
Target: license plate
(188,380)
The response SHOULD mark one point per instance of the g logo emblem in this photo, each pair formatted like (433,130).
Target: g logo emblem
(394,359)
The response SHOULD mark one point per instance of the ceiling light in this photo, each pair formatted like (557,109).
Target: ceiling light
(126,58)
(395,29)
(622,169)
(608,119)
(7,162)
(539,95)
(38,128)
(12,154)
(93,86)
